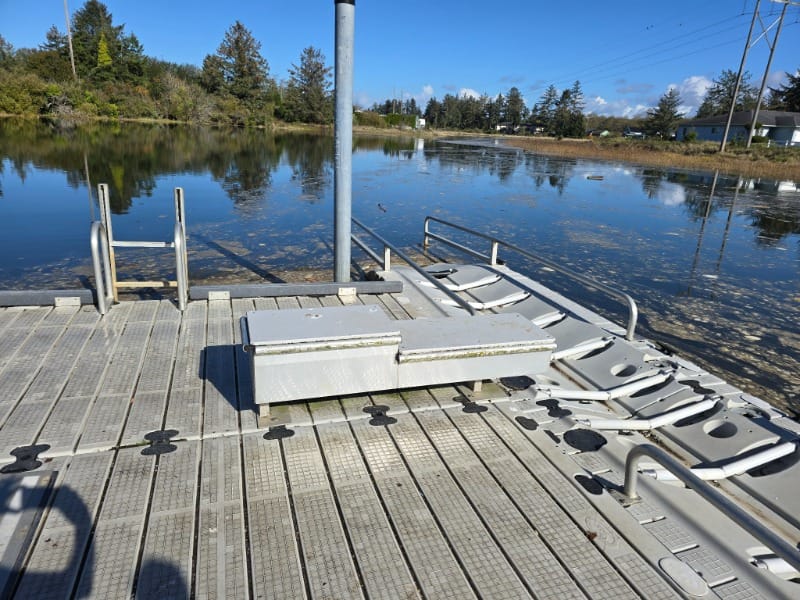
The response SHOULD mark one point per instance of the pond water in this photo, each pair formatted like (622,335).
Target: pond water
(712,260)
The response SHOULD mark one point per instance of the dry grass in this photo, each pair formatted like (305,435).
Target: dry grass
(772,163)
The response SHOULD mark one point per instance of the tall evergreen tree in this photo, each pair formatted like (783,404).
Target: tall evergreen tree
(663,119)
(719,96)
(787,96)
(515,109)
(546,109)
(308,97)
(238,67)
(93,23)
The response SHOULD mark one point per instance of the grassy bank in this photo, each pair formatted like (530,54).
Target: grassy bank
(772,163)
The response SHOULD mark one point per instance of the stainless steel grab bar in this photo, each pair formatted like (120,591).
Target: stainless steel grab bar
(774,542)
(430,278)
(633,310)
(102,266)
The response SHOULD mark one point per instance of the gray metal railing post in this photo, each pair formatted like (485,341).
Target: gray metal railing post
(181,274)
(343,137)
(775,543)
(101,265)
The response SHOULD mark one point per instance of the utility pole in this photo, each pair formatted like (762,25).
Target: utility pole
(69,42)
(739,79)
(779,21)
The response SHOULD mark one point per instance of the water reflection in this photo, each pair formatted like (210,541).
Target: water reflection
(714,258)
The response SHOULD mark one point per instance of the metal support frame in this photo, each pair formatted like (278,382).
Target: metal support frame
(633,311)
(745,520)
(105,269)
(389,248)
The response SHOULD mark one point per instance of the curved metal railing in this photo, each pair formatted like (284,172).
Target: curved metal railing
(388,248)
(774,542)
(633,310)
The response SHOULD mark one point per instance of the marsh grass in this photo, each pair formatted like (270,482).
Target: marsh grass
(759,161)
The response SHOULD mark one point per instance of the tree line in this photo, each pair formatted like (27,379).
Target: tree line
(106,73)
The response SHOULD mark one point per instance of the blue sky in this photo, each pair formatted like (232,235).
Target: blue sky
(625,54)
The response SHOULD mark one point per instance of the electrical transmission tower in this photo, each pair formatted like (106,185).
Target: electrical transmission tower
(776,24)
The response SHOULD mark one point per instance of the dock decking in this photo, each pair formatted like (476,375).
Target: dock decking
(166,487)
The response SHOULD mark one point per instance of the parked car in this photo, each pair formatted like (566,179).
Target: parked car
(630,132)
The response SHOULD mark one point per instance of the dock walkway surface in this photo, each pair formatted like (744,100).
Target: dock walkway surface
(165,487)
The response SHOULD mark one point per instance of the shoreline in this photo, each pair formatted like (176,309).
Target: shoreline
(694,156)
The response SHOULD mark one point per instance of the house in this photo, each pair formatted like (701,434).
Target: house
(781,128)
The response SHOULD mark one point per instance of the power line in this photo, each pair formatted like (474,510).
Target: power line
(671,43)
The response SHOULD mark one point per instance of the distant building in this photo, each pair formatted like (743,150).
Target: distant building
(420,123)
(780,128)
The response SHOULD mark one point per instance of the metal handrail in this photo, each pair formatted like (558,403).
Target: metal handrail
(430,278)
(181,266)
(774,542)
(178,243)
(102,272)
(633,311)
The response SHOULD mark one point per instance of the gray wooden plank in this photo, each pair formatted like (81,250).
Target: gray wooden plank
(146,414)
(126,362)
(166,564)
(221,401)
(65,424)
(221,559)
(383,568)
(326,552)
(532,558)
(159,357)
(248,411)
(21,370)
(104,422)
(430,556)
(547,499)
(118,533)
(274,553)
(185,412)
(53,565)
(479,553)
(189,367)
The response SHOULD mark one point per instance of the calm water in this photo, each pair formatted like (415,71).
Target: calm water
(714,265)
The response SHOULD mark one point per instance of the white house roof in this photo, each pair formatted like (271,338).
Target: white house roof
(767,118)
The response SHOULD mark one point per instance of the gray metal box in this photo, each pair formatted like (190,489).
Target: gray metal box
(464,348)
(314,353)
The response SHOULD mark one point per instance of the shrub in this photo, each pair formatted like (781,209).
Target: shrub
(690,136)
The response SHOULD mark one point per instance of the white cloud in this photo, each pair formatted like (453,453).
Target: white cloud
(468,93)
(692,90)
(671,194)
(427,90)
(776,78)
(618,108)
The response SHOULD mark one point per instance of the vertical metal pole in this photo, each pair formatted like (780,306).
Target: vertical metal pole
(343,137)
(739,79)
(764,79)
(69,41)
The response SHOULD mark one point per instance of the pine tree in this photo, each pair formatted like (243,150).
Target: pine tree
(787,97)
(719,96)
(663,119)
(308,98)
(546,109)
(515,111)
(238,67)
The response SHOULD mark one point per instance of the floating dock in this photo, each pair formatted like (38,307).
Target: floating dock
(156,480)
